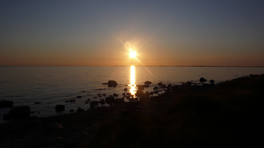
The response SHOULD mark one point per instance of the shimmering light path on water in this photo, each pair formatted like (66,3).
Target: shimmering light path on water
(132,80)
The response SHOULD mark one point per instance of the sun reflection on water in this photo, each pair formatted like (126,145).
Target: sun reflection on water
(132,80)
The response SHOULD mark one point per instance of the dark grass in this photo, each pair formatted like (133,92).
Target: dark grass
(229,115)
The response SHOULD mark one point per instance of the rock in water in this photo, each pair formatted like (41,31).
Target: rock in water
(112,83)
(5,103)
(60,108)
(148,82)
(202,80)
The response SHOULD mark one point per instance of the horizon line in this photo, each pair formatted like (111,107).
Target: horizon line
(121,66)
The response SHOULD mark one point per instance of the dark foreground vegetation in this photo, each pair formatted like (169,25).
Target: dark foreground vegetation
(230,114)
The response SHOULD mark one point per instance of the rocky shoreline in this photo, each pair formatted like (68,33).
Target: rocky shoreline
(150,120)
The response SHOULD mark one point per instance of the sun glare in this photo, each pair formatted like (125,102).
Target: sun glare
(133,54)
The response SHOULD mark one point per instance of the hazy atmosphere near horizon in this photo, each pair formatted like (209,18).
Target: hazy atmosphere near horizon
(138,32)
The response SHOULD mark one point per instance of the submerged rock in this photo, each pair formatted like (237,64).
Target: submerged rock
(147,83)
(112,83)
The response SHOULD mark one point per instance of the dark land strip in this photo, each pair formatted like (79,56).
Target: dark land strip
(223,115)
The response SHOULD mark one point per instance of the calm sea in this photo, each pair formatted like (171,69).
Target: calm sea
(55,85)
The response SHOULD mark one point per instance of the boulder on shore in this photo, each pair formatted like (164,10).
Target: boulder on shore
(112,83)
(18,112)
(5,103)
(60,108)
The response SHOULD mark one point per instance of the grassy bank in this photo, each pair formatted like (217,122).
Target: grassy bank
(231,114)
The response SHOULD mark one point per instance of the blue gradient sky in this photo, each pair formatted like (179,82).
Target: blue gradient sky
(187,32)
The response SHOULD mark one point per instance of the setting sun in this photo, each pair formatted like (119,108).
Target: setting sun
(133,54)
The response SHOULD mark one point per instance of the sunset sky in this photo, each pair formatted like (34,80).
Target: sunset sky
(100,33)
